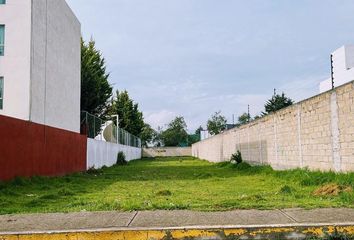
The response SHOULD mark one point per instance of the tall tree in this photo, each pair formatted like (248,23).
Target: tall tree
(176,133)
(130,118)
(217,123)
(276,103)
(95,88)
(148,135)
(199,130)
(244,118)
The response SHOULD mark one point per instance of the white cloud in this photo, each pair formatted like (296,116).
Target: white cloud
(159,118)
(301,88)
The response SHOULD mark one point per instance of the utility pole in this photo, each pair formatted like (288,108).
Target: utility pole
(233,119)
(248,112)
(117,117)
(332,72)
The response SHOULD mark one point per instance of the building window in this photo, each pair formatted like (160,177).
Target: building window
(1,92)
(2,1)
(2,39)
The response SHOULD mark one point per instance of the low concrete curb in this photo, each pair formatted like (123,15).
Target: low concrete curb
(166,225)
(289,231)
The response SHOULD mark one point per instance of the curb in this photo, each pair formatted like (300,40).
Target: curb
(290,231)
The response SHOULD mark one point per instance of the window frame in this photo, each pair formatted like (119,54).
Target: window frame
(3,45)
(1,93)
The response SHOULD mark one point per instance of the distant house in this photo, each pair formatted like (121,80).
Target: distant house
(204,134)
(40,78)
(343,68)
(40,63)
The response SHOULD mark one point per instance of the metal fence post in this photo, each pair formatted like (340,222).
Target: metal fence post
(122,137)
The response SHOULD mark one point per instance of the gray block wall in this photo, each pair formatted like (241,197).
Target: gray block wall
(55,65)
(317,133)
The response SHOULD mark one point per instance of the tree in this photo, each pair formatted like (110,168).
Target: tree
(176,133)
(244,118)
(217,123)
(193,138)
(158,137)
(148,135)
(130,118)
(95,88)
(199,130)
(276,103)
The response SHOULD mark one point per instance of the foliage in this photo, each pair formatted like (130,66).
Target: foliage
(198,131)
(193,138)
(148,135)
(176,133)
(157,140)
(130,118)
(93,171)
(95,88)
(121,159)
(217,123)
(244,118)
(276,103)
(237,157)
(334,236)
(194,184)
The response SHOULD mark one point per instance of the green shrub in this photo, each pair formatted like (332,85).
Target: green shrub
(121,158)
(237,157)
(20,181)
(243,166)
(286,190)
(94,171)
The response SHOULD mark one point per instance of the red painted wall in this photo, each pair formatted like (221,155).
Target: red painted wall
(30,149)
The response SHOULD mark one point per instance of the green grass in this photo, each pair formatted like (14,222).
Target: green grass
(174,183)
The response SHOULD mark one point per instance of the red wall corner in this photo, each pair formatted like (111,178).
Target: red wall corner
(29,149)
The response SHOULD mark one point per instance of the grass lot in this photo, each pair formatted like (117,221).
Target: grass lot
(177,183)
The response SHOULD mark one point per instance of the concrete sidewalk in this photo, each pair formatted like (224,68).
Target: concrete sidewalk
(170,219)
(162,220)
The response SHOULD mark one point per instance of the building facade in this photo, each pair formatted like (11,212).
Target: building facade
(40,63)
(343,68)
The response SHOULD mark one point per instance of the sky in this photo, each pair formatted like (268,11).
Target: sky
(192,58)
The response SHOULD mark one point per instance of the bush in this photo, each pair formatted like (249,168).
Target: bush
(286,190)
(237,157)
(93,171)
(121,158)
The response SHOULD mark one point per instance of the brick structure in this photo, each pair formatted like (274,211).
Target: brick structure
(317,133)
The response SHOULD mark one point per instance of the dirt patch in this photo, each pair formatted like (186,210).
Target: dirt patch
(164,193)
(332,190)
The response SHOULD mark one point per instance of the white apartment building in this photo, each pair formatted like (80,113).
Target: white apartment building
(343,68)
(40,62)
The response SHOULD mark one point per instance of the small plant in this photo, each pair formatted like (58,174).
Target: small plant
(286,190)
(236,157)
(164,193)
(94,171)
(121,158)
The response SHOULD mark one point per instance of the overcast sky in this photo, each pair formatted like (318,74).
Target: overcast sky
(195,57)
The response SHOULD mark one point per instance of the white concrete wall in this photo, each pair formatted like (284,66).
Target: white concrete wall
(15,64)
(100,153)
(41,66)
(56,62)
(167,152)
(343,68)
